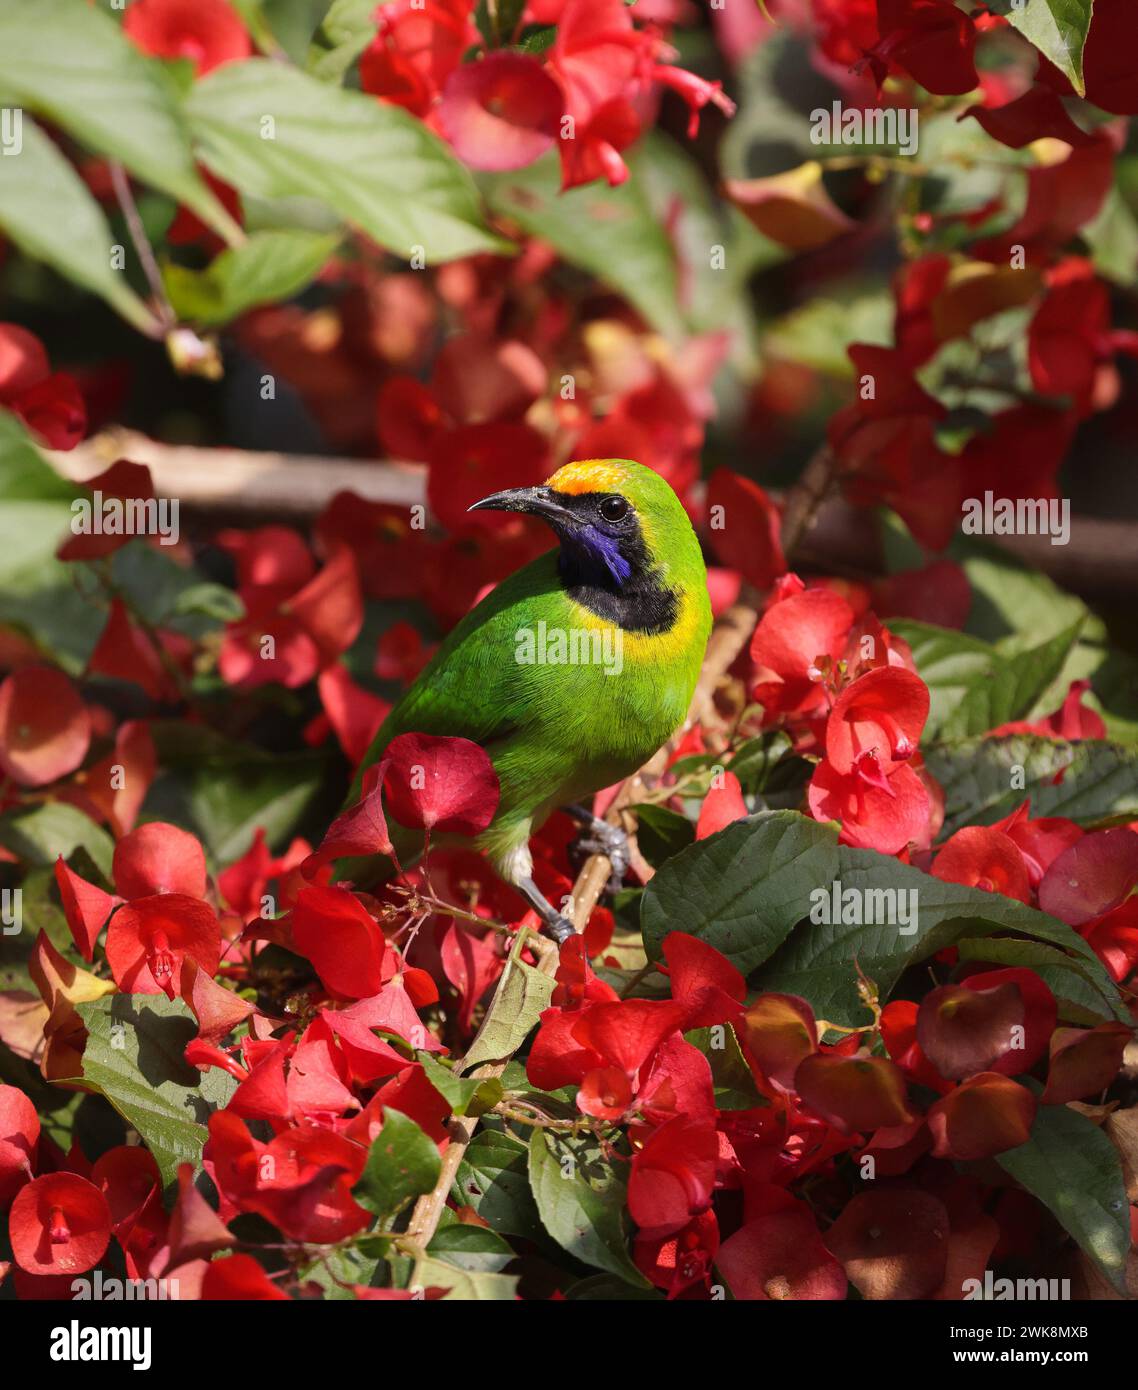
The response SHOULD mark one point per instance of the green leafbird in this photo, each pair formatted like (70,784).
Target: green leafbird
(572,672)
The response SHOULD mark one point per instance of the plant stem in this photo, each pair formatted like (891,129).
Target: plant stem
(143,249)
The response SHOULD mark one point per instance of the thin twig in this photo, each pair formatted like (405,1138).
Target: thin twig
(121,184)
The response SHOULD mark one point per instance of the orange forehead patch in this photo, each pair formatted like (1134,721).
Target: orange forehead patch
(588,475)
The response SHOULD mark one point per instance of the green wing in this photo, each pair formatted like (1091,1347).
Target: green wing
(469,689)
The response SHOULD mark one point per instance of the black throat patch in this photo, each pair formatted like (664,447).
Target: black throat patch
(639,603)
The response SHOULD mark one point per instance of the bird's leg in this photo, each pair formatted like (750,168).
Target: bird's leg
(557,926)
(602,838)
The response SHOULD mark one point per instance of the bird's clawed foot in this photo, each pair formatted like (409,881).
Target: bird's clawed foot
(600,837)
(559,927)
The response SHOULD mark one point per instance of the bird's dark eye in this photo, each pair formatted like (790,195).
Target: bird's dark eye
(614,509)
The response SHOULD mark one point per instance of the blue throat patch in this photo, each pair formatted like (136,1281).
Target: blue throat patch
(590,555)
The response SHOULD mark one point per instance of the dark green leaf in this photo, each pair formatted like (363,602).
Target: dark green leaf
(471,1248)
(37,834)
(402,1163)
(134,1057)
(1071,1166)
(223,790)
(493,1178)
(661,832)
(377,166)
(742,889)
(1009,688)
(817,961)
(466,1286)
(581,1199)
(984,780)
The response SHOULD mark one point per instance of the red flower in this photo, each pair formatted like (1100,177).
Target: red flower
(746,535)
(49,404)
(19,1140)
(149,939)
(892,1243)
(44,726)
(877,811)
(780,1255)
(416,48)
(502,112)
(1084,1061)
(159,858)
(354,714)
(981,857)
(59,1224)
(124,481)
(876,722)
(985,1115)
(679,1261)
(345,945)
(853,1093)
(361,830)
(239,1279)
(796,640)
(722,806)
(444,784)
(708,986)
(124,652)
(993,1021)
(780,1032)
(1091,878)
(207,32)
(673,1176)
(931,40)
(85,905)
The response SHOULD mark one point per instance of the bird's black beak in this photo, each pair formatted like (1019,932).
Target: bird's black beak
(534,501)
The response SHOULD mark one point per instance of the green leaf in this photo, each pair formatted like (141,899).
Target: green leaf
(377,166)
(742,889)
(1009,688)
(613,233)
(466,1286)
(1071,1166)
(70,63)
(402,1164)
(344,33)
(1113,240)
(464,1096)
(986,779)
(211,601)
(1058,28)
(661,832)
(523,992)
(731,1077)
(817,961)
(266,269)
(37,834)
(493,1178)
(224,790)
(471,1248)
(49,212)
(581,1198)
(134,1057)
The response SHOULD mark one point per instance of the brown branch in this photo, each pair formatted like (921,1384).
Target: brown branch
(800,510)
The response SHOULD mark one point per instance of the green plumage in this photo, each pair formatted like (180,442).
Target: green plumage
(558,732)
